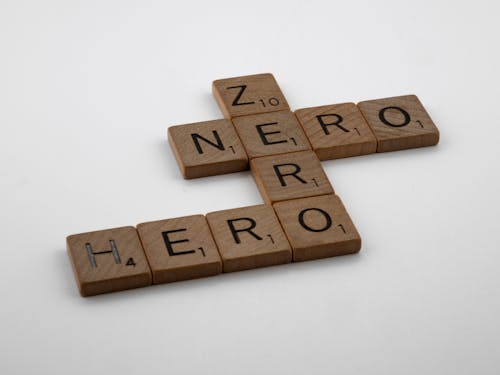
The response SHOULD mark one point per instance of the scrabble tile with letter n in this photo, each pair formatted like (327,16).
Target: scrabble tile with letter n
(207,148)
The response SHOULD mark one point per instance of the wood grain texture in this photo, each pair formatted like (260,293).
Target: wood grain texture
(180,249)
(249,237)
(248,95)
(207,148)
(271,134)
(290,176)
(337,131)
(318,227)
(108,261)
(399,123)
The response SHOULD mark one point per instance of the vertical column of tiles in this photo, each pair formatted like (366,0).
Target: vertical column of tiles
(337,131)
(399,123)
(108,261)
(318,227)
(207,148)
(290,176)
(248,95)
(180,249)
(249,237)
(271,133)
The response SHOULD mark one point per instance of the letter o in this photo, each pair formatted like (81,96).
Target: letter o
(381,116)
(328,220)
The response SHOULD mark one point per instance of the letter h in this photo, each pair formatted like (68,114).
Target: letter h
(92,254)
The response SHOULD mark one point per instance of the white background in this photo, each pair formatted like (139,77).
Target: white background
(87,91)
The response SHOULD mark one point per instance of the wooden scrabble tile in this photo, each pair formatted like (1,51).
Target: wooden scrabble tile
(290,176)
(248,95)
(207,148)
(249,237)
(399,123)
(180,249)
(318,227)
(108,261)
(337,131)
(271,133)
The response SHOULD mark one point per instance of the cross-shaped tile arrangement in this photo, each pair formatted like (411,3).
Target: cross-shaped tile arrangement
(302,218)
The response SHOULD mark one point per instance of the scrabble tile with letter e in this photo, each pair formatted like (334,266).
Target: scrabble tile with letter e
(290,176)
(399,123)
(271,133)
(249,237)
(108,261)
(318,227)
(180,249)
(248,95)
(207,148)
(337,131)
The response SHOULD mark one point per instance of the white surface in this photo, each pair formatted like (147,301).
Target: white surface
(87,90)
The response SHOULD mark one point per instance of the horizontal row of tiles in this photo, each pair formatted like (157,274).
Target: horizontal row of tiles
(331,131)
(224,241)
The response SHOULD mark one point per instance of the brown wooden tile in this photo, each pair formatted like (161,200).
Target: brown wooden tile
(337,131)
(249,237)
(207,148)
(290,176)
(399,123)
(180,249)
(108,261)
(271,134)
(248,95)
(318,227)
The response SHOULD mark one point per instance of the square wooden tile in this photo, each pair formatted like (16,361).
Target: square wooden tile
(337,131)
(318,227)
(180,249)
(290,176)
(248,95)
(399,123)
(108,261)
(249,237)
(271,134)
(207,148)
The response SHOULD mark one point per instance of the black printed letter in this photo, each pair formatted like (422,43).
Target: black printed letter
(381,116)
(328,220)
(169,242)
(248,229)
(336,122)
(263,137)
(282,175)
(218,141)
(236,100)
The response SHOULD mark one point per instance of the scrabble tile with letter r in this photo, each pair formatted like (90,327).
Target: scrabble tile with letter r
(337,131)
(318,227)
(290,176)
(248,95)
(180,249)
(207,148)
(108,261)
(399,123)
(249,237)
